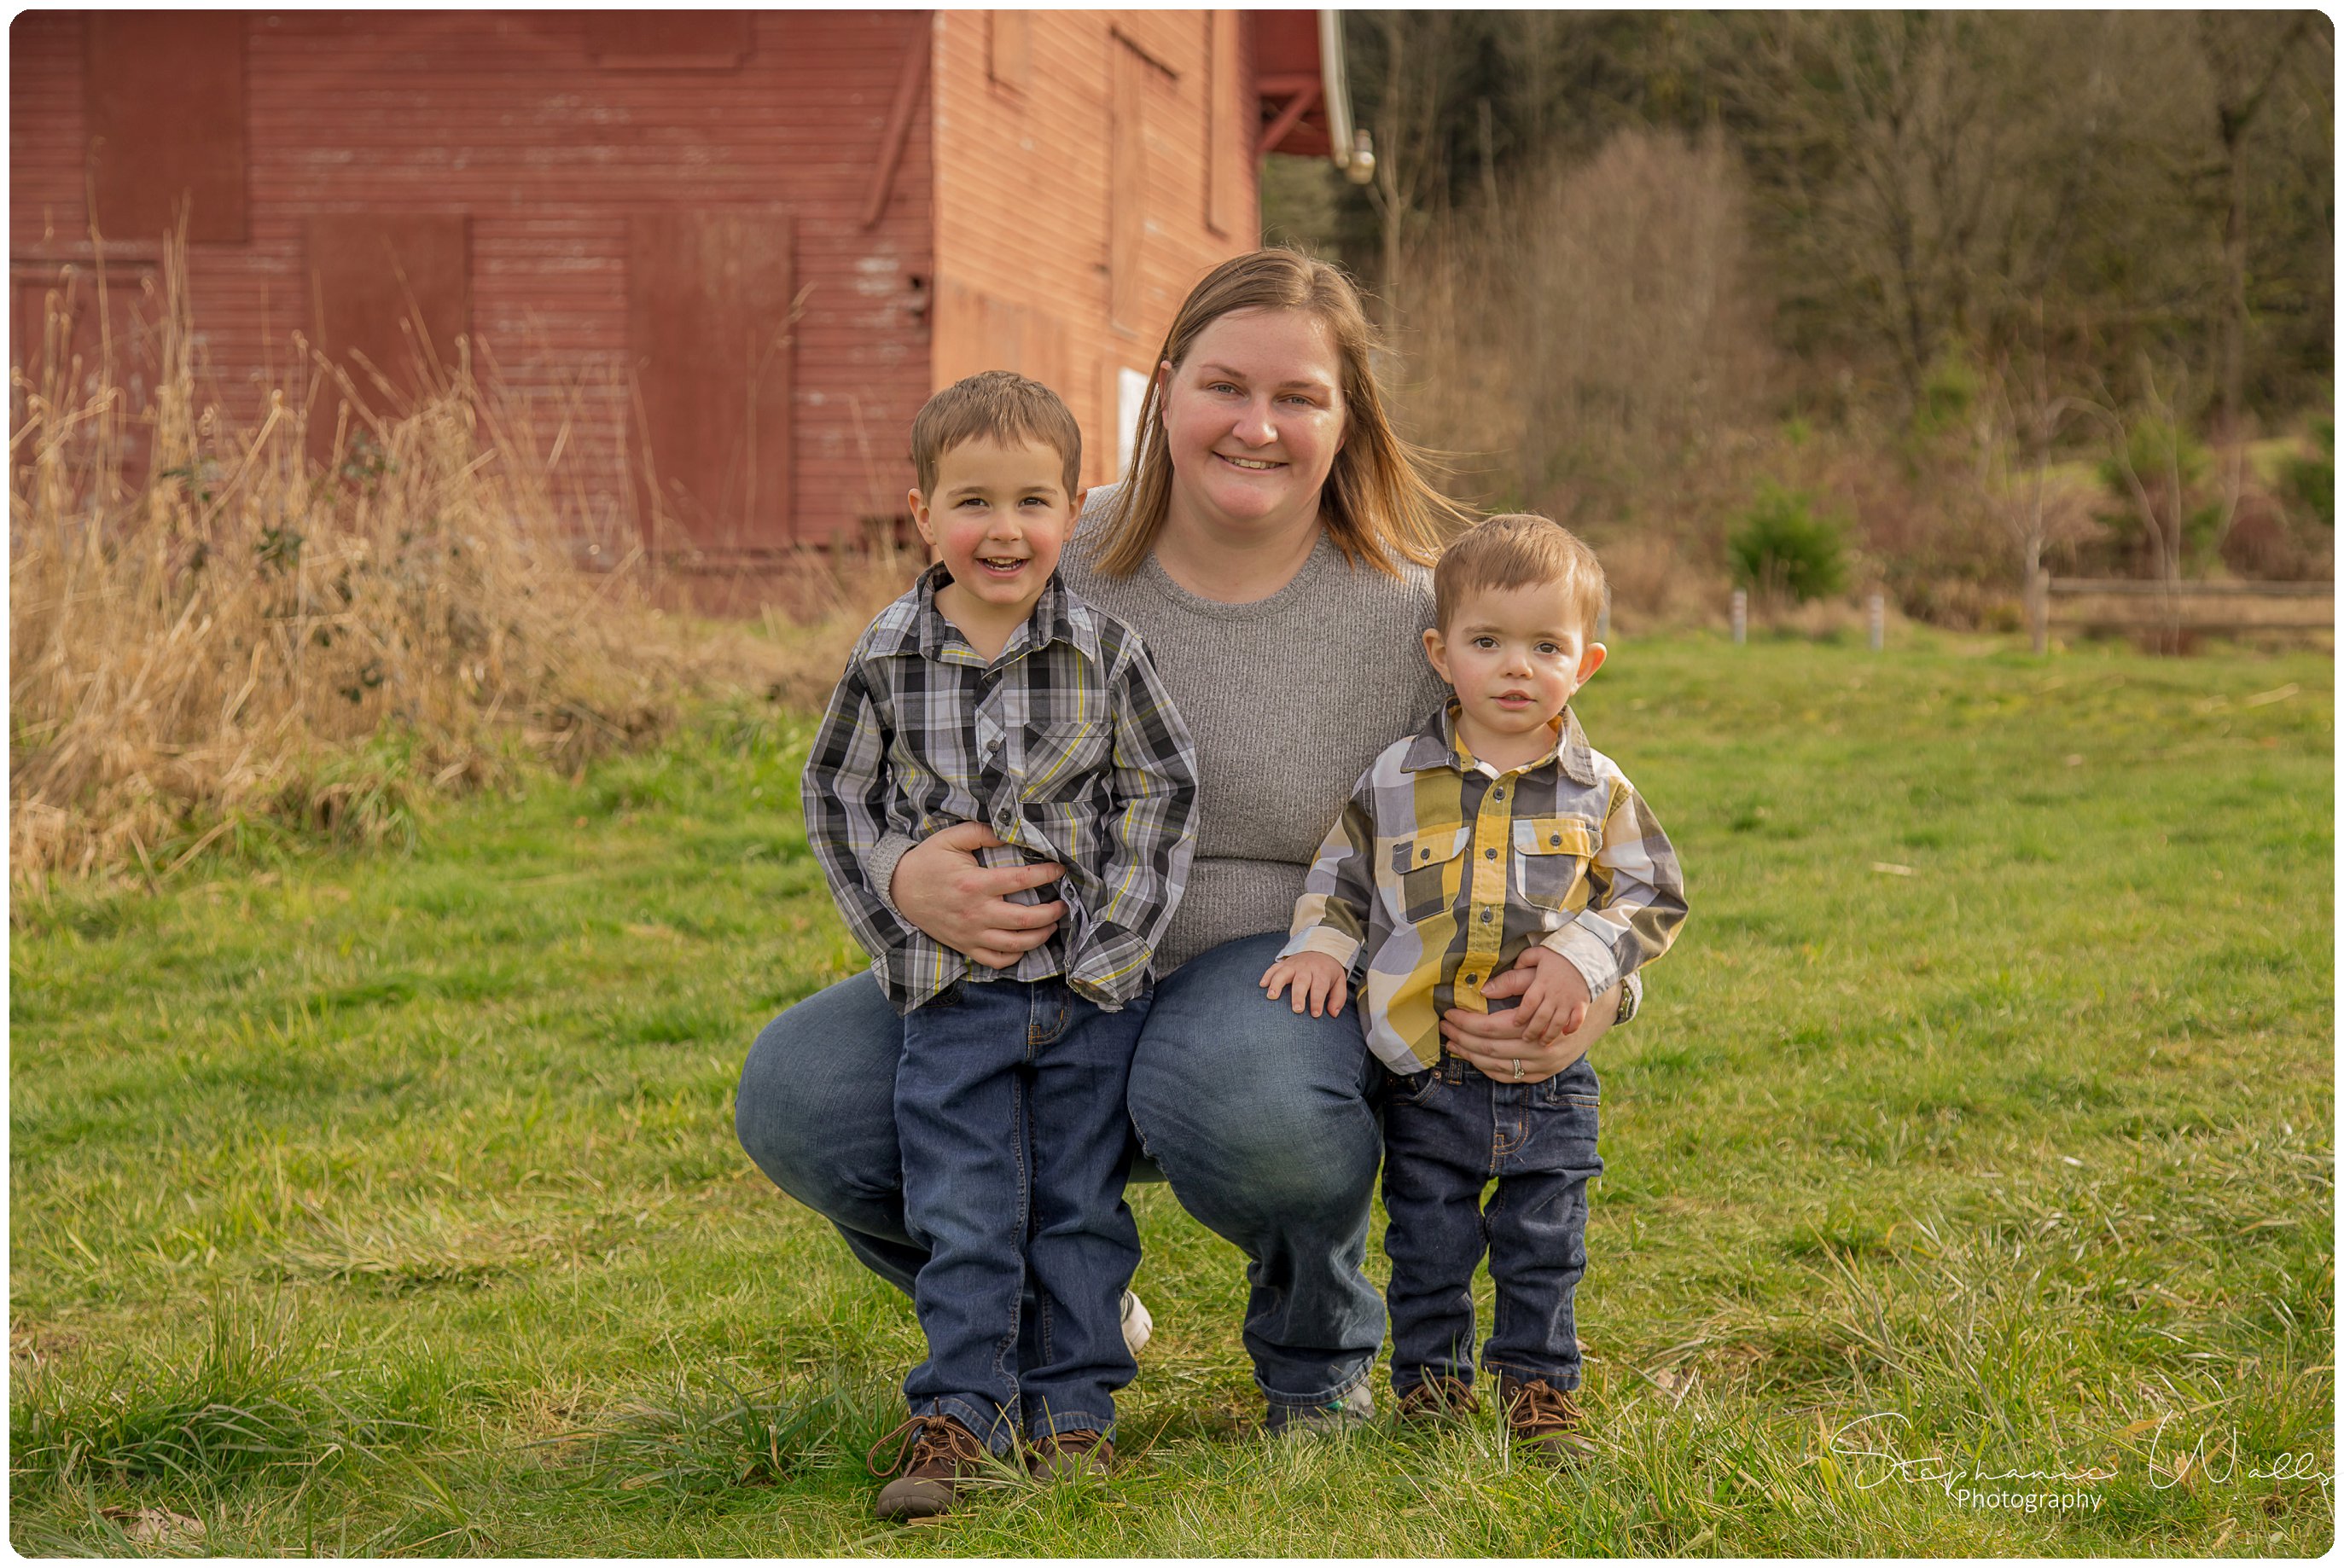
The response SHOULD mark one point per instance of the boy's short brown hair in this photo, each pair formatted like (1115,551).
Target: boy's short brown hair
(1519,550)
(1000,405)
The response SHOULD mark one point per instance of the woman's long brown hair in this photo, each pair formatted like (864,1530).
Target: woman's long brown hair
(1376,505)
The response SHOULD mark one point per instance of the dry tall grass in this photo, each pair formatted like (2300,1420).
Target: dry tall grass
(1588,345)
(233,645)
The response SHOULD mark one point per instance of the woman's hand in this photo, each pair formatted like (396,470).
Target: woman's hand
(940,888)
(1496,1042)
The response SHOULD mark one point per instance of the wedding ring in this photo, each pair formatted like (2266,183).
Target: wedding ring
(1518,1070)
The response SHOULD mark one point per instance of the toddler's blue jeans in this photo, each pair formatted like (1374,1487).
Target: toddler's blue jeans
(1010,1110)
(1447,1131)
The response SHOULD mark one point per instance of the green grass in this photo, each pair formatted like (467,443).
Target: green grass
(392,1205)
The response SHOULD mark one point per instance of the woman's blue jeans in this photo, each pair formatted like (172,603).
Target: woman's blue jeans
(1262,1119)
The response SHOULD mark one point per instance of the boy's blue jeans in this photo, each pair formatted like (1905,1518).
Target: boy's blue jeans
(1009,1106)
(1448,1131)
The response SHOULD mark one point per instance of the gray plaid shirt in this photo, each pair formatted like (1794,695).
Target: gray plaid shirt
(1065,746)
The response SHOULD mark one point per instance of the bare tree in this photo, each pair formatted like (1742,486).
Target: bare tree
(1410,130)
(2243,53)
(2015,422)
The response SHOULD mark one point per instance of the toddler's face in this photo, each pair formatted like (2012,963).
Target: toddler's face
(999,515)
(1515,657)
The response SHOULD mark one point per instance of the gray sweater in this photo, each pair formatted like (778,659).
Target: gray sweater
(1289,698)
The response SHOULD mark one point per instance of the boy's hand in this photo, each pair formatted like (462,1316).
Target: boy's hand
(1495,1042)
(1317,979)
(1556,1003)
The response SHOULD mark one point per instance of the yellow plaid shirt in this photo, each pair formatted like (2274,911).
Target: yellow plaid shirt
(1442,870)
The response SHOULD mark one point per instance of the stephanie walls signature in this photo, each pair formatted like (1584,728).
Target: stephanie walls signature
(1865,1440)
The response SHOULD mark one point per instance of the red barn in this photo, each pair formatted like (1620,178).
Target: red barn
(726,254)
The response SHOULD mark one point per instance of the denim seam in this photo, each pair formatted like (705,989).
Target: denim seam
(1304,1401)
(1532,1374)
(1072,1421)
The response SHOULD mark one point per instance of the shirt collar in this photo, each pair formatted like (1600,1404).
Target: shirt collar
(1437,746)
(1056,616)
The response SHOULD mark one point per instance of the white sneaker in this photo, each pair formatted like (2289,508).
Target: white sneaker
(1137,1324)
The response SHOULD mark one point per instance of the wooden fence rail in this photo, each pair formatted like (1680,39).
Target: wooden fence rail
(2127,604)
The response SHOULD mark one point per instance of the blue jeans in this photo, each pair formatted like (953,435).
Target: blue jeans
(1262,1120)
(1448,1131)
(1009,1103)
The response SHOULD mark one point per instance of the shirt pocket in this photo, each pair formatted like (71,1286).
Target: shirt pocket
(1062,760)
(1550,856)
(1419,876)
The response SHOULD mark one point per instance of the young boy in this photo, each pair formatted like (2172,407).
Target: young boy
(1494,837)
(988,694)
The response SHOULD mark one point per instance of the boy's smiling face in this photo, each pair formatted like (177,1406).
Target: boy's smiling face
(1515,656)
(999,516)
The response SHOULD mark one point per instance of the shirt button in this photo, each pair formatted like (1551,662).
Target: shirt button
(1492,854)
(1499,793)
(1485,917)
(1472,980)
(1557,839)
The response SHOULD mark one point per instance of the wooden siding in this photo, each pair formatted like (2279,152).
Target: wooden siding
(506,118)
(1024,203)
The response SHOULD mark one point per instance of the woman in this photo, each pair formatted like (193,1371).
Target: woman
(1270,547)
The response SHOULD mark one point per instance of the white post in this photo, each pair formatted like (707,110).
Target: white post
(1876,615)
(1741,616)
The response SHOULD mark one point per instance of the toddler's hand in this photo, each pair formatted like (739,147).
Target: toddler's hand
(1555,1005)
(1317,979)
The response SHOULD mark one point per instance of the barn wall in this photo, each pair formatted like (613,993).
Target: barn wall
(1026,198)
(547,150)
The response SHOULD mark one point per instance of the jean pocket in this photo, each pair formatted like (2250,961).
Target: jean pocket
(1410,1087)
(1574,1086)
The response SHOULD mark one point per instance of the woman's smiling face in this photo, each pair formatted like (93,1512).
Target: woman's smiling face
(1253,418)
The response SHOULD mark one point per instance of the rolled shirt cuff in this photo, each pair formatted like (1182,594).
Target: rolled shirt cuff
(1343,949)
(1587,954)
(1107,965)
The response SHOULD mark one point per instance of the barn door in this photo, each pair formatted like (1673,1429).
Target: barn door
(708,326)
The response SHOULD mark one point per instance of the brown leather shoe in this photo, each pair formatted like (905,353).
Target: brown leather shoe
(937,1456)
(1436,1397)
(1544,1419)
(1067,1456)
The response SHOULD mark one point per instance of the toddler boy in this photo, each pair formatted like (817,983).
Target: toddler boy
(1494,838)
(989,694)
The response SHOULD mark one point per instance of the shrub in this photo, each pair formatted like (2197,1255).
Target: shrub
(2311,480)
(2174,467)
(1785,548)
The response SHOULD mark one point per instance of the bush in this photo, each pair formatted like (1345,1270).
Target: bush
(2176,468)
(1785,548)
(2312,482)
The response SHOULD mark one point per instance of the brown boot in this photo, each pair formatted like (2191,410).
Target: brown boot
(937,1455)
(1067,1456)
(1436,1397)
(1544,1420)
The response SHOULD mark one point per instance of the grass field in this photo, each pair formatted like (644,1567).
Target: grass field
(392,1205)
